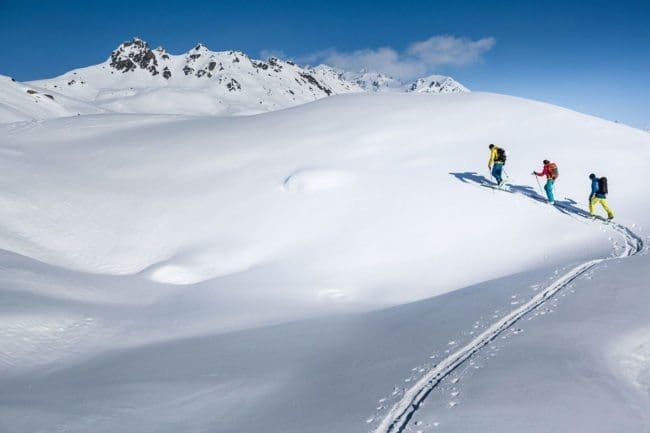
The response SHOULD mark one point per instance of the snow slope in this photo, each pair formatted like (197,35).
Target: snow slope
(19,102)
(127,236)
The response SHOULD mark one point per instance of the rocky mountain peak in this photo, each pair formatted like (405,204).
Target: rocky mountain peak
(200,47)
(134,54)
(436,84)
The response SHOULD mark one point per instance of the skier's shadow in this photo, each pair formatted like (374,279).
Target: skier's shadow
(566,206)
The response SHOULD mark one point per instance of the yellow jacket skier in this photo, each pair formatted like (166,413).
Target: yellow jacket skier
(496,162)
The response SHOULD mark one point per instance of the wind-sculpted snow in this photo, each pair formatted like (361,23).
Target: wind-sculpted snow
(175,273)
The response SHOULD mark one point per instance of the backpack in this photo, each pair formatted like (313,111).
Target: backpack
(501,155)
(602,186)
(552,168)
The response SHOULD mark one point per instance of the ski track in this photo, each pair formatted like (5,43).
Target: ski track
(397,419)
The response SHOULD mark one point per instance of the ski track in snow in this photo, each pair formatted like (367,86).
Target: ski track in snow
(397,419)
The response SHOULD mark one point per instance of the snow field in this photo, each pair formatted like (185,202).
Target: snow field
(123,236)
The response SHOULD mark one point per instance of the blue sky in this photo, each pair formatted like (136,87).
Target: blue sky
(592,56)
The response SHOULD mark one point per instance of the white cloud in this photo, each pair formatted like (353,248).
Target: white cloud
(385,60)
(418,59)
(450,50)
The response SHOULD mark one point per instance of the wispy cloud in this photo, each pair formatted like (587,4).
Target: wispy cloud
(416,60)
(450,50)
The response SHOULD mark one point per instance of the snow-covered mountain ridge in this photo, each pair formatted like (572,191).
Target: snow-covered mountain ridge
(378,82)
(138,79)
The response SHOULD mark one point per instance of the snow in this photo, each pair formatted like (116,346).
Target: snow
(377,82)
(22,102)
(566,362)
(632,358)
(304,268)
(436,84)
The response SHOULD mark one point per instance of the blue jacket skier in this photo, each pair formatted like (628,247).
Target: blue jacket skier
(599,195)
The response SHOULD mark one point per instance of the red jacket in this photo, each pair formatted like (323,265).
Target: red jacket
(546,171)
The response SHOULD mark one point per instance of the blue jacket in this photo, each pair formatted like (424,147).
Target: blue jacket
(594,188)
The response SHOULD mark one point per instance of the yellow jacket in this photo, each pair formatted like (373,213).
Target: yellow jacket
(493,155)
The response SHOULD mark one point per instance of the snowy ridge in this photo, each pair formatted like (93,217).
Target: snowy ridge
(19,102)
(398,417)
(373,81)
(138,79)
(436,84)
(378,82)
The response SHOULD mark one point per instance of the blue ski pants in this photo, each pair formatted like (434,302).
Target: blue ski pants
(549,189)
(497,172)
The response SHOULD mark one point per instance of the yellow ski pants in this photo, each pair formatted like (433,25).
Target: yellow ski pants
(603,202)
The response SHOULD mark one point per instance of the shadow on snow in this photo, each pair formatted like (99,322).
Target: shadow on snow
(566,206)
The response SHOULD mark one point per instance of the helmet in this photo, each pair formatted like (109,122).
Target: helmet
(491,146)
(546,161)
(592,176)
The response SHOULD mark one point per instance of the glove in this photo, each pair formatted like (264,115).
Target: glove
(534,174)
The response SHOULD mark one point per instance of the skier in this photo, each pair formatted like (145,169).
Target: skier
(599,195)
(496,162)
(551,172)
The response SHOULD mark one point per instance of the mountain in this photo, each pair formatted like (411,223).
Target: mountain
(436,84)
(378,82)
(138,79)
(373,81)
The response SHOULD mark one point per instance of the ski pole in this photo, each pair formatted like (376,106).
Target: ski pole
(538,184)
